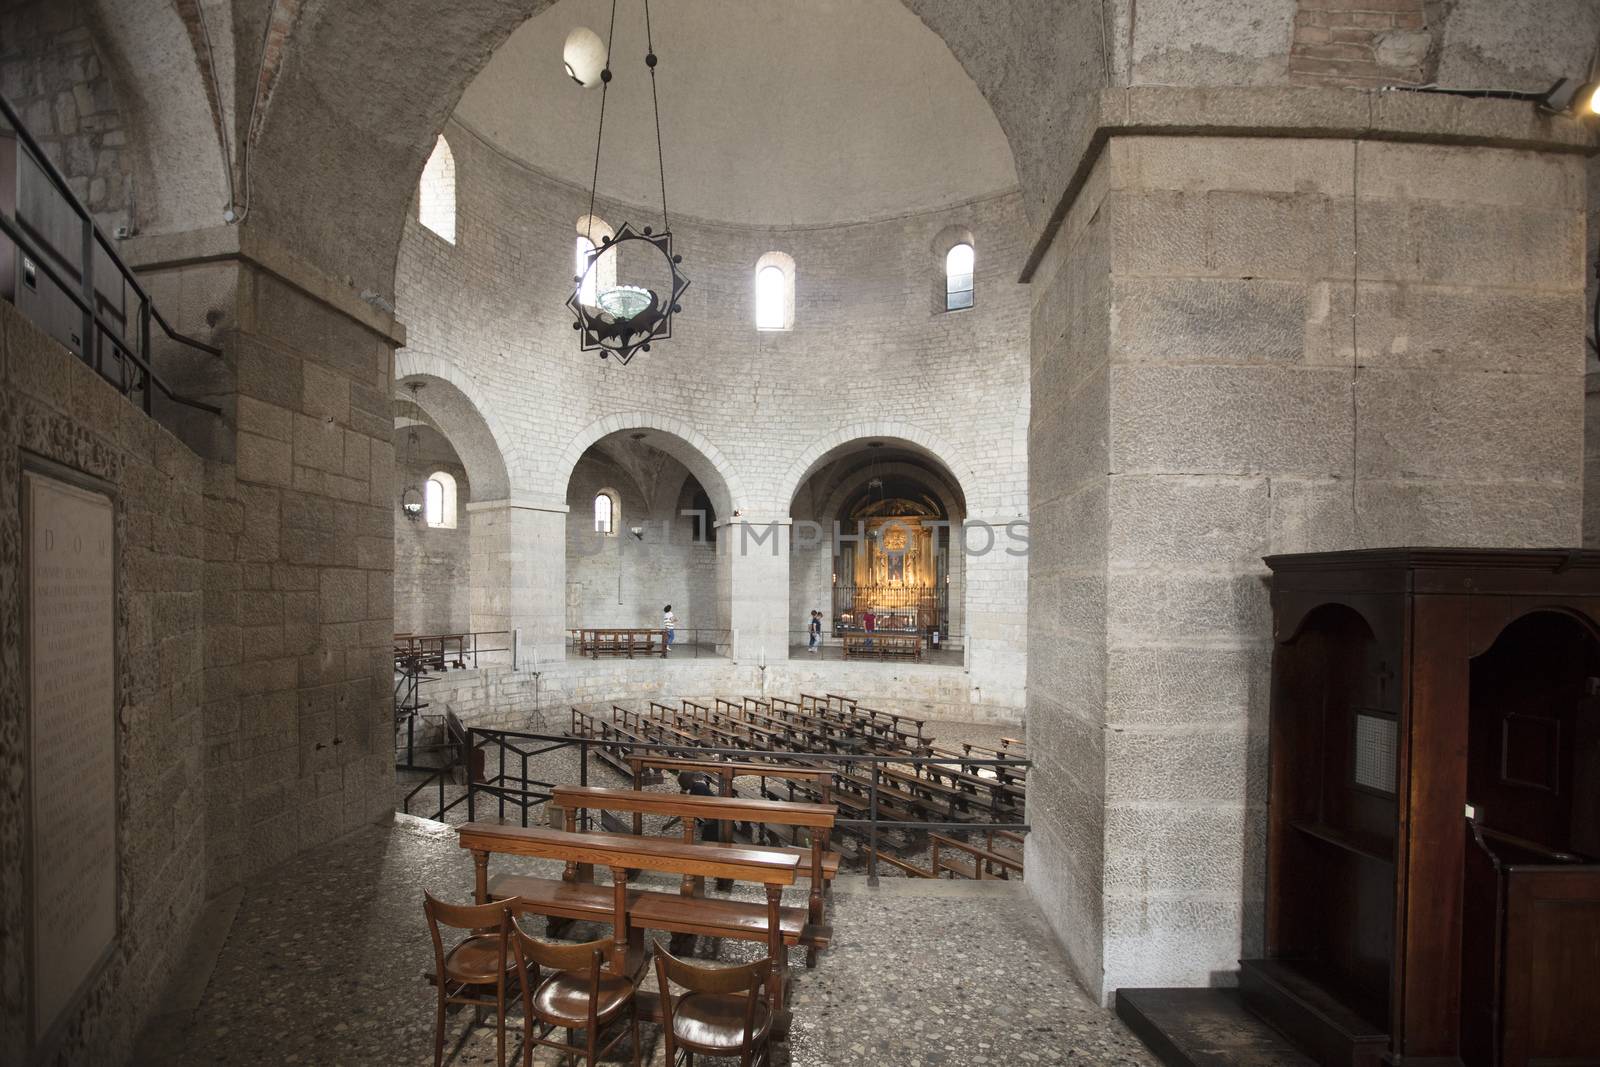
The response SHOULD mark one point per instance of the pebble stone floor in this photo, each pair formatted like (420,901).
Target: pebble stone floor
(324,959)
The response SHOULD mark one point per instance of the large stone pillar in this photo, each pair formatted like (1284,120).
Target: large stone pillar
(519,574)
(300,509)
(1360,326)
(753,588)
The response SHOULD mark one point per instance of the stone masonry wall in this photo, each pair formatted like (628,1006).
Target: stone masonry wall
(499,696)
(870,355)
(52,406)
(621,580)
(51,74)
(432,581)
(1313,345)
(300,553)
(1068,443)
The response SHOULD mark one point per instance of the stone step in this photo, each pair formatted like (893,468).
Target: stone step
(1204,1028)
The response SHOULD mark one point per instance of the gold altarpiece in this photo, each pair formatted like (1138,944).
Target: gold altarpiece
(897,571)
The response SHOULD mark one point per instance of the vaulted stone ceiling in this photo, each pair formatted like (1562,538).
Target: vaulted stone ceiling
(773,111)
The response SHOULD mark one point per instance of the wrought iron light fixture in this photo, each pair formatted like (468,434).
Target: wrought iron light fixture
(411,496)
(627,317)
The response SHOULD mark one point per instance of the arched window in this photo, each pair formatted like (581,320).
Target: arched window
(436,194)
(605,512)
(775,292)
(439,500)
(958,288)
(592,233)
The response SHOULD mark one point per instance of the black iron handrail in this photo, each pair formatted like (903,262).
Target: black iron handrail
(86,298)
(526,798)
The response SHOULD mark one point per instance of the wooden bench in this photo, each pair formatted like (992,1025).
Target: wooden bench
(818,864)
(618,641)
(631,911)
(883,645)
(983,859)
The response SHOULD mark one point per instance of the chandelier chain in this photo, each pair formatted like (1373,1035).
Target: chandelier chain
(655,103)
(599,137)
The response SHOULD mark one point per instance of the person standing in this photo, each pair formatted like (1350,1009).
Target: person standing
(669,623)
(816,631)
(869,623)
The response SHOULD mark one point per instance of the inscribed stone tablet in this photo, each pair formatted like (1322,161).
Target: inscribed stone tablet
(72,773)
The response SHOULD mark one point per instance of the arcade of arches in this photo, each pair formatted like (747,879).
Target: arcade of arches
(1014,343)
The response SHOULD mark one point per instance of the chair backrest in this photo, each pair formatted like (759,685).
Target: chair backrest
(494,917)
(750,977)
(585,959)
(582,960)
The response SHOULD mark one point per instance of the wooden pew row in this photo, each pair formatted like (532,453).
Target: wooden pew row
(915,792)
(630,910)
(983,859)
(818,864)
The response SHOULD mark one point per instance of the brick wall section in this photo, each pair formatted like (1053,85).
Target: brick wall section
(50,72)
(1362,43)
(53,406)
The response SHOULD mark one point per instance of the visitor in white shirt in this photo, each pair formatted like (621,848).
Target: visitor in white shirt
(669,623)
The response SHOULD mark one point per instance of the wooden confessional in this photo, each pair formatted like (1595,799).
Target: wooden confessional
(1433,854)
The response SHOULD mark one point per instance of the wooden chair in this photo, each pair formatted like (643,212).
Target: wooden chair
(485,958)
(726,1011)
(578,995)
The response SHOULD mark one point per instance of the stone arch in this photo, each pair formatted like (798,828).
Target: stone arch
(459,409)
(949,494)
(364,90)
(682,442)
(891,432)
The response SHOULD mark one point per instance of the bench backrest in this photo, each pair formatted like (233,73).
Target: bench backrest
(766,770)
(690,806)
(633,853)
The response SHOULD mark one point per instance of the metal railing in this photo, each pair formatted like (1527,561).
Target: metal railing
(82,292)
(921,608)
(936,648)
(687,643)
(440,652)
(501,791)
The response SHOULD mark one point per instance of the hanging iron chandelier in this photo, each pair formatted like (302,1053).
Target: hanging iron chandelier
(626,317)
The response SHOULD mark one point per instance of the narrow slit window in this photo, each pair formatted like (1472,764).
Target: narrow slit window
(605,513)
(770,293)
(958,289)
(593,232)
(587,288)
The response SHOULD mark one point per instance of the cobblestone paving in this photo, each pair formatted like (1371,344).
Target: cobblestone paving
(324,965)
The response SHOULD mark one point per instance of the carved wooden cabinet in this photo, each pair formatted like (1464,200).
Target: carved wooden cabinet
(1433,854)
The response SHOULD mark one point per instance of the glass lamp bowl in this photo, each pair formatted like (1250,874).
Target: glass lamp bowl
(625,301)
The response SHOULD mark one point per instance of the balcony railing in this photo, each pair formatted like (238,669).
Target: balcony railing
(124,362)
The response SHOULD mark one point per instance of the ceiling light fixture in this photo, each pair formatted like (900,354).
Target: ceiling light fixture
(584,56)
(627,317)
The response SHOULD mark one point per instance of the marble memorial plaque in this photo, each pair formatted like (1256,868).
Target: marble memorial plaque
(72,735)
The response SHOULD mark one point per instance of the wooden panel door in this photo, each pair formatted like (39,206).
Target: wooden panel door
(1552,954)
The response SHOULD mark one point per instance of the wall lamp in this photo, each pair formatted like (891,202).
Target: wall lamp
(1572,96)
